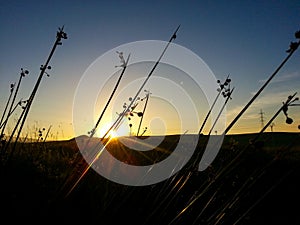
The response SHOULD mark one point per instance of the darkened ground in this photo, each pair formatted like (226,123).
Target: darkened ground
(260,187)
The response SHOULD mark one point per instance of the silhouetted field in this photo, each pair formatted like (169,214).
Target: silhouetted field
(262,186)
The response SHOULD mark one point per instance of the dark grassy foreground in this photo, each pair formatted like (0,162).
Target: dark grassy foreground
(261,188)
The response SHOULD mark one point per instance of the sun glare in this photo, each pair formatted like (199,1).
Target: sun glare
(104,128)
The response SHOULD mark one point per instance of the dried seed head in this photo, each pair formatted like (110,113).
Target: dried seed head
(289,120)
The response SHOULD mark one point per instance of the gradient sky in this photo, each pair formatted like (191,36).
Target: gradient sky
(246,39)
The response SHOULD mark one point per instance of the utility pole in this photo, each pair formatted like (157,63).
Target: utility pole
(262,120)
(271,126)
(283,108)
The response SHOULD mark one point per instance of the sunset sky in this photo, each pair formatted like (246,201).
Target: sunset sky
(246,39)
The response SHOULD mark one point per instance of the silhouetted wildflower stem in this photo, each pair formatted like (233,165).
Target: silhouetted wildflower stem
(124,65)
(284,106)
(22,74)
(121,116)
(10,113)
(47,133)
(231,165)
(7,103)
(16,127)
(212,106)
(59,36)
(115,124)
(75,180)
(291,50)
(143,113)
(216,120)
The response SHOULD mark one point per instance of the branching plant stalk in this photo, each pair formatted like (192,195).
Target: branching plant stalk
(60,35)
(290,99)
(147,98)
(11,112)
(12,103)
(47,133)
(7,103)
(261,89)
(230,166)
(216,120)
(211,108)
(110,97)
(121,116)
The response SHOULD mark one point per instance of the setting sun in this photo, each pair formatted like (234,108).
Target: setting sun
(104,128)
(122,131)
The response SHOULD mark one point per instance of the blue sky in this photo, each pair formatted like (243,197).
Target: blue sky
(246,39)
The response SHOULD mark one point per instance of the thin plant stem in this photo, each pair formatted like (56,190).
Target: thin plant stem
(7,103)
(110,98)
(261,89)
(211,108)
(216,120)
(147,98)
(13,101)
(143,84)
(121,116)
(60,35)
